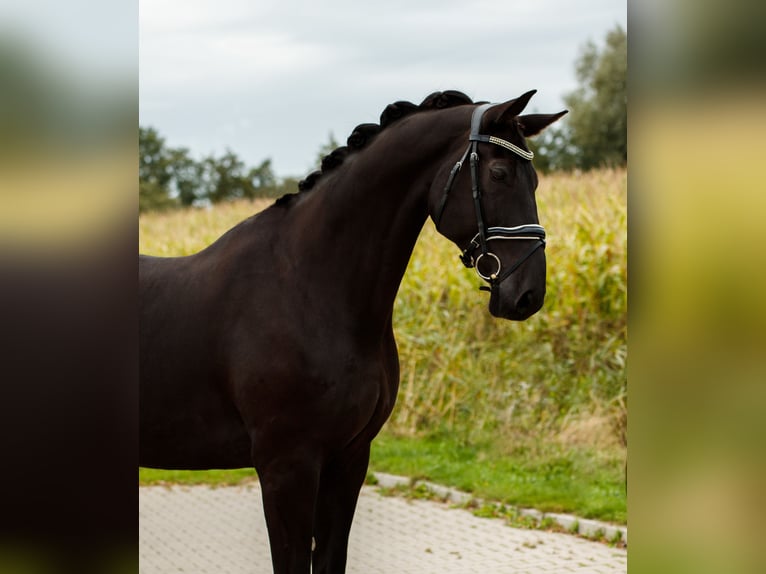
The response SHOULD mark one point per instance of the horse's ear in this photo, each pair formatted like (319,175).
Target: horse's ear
(533,124)
(510,109)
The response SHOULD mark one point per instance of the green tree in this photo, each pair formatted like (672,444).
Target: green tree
(154,174)
(596,126)
(187,176)
(553,150)
(228,178)
(225,177)
(169,177)
(263,179)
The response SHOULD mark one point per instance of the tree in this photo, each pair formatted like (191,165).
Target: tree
(597,123)
(225,178)
(263,179)
(154,175)
(553,151)
(169,177)
(187,176)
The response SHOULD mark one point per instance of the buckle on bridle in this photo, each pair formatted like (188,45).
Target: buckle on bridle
(466,257)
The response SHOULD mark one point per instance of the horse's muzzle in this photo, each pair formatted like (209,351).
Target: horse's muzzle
(506,306)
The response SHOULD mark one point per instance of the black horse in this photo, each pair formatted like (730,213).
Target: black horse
(273,347)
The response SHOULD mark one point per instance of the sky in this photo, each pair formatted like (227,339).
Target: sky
(273,79)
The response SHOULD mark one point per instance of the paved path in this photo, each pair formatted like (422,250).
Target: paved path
(222,530)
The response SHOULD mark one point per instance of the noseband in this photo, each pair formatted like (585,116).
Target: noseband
(532,231)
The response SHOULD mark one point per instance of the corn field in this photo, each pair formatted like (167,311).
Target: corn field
(560,374)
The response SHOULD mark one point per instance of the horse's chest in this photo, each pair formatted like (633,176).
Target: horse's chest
(360,386)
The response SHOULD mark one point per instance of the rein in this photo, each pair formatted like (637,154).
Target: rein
(480,241)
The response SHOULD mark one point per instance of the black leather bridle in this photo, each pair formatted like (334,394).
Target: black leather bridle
(480,241)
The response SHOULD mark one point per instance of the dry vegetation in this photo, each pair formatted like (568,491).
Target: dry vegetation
(560,376)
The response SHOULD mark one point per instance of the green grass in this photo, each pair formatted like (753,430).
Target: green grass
(554,480)
(532,413)
(551,480)
(154,476)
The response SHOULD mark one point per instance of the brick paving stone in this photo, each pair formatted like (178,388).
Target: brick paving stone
(199,530)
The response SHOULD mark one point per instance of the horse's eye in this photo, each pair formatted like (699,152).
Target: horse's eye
(497,173)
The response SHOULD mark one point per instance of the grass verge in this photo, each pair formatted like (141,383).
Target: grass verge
(550,479)
(156,476)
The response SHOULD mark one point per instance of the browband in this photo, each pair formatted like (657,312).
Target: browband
(476,136)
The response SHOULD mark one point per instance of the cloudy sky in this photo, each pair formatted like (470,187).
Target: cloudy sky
(273,78)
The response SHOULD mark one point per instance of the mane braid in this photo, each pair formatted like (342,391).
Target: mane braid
(396,111)
(334,159)
(363,134)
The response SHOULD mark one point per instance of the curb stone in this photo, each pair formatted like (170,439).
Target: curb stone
(573,524)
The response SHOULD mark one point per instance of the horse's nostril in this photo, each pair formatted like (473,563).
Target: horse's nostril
(524,301)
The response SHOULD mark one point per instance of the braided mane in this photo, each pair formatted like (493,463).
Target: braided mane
(363,134)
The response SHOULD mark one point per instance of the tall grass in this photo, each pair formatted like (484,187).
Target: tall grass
(561,375)
(563,371)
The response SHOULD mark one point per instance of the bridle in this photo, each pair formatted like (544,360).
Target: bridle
(531,231)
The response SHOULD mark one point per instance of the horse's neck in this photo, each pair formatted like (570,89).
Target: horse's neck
(363,220)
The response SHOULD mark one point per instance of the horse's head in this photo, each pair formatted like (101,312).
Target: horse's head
(486,205)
